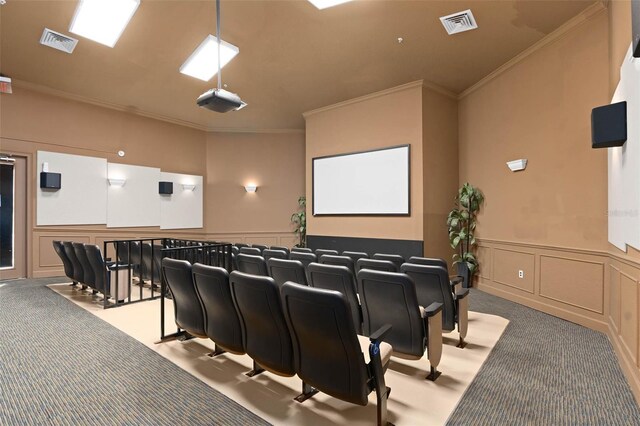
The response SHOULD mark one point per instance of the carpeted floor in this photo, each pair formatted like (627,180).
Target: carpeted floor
(545,371)
(56,367)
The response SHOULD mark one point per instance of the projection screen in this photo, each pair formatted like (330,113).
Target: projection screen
(362,183)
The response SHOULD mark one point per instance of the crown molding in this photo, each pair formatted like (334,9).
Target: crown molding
(396,89)
(239,130)
(583,17)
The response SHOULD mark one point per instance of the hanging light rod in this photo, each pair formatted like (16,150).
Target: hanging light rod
(218,99)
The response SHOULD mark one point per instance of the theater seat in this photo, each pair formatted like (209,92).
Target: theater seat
(341,279)
(301,249)
(251,250)
(282,270)
(355,255)
(331,259)
(395,258)
(78,273)
(428,261)
(240,245)
(320,252)
(251,264)
(271,253)
(284,249)
(260,247)
(186,302)
(105,275)
(433,285)
(222,324)
(327,352)
(265,335)
(390,298)
(88,276)
(376,265)
(66,262)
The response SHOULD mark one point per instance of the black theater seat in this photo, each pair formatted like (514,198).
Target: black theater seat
(376,265)
(78,273)
(88,277)
(186,302)
(66,262)
(251,264)
(395,258)
(282,270)
(271,253)
(331,259)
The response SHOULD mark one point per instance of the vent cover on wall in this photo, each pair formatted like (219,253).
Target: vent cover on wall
(459,22)
(58,41)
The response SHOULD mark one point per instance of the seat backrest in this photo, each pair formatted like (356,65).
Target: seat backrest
(265,335)
(428,261)
(87,271)
(122,248)
(254,251)
(151,259)
(282,270)
(270,253)
(332,259)
(390,298)
(98,267)
(136,258)
(320,252)
(355,255)
(251,264)
(376,265)
(78,273)
(221,320)
(326,351)
(395,258)
(432,285)
(304,257)
(66,262)
(240,245)
(301,249)
(260,247)
(284,249)
(186,302)
(235,250)
(337,278)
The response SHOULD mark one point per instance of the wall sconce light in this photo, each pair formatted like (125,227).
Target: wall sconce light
(188,187)
(517,165)
(251,188)
(117,182)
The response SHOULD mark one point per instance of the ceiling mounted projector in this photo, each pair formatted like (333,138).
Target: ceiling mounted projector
(220,100)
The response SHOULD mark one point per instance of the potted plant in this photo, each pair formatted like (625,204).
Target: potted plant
(462,225)
(299,219)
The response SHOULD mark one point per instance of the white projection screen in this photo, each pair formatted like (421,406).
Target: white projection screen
(362,183)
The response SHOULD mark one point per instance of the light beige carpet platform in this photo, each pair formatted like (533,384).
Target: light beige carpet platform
(413,400)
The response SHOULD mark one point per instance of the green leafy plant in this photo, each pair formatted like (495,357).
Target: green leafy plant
(462,225)
(299,219)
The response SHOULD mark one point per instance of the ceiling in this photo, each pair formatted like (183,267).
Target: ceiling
(293,58)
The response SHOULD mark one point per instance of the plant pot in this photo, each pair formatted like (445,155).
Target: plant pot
(463,271)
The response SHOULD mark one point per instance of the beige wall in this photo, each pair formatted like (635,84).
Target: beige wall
(385,119)
(440,169)
(619,38)
(274,162)
(32,121)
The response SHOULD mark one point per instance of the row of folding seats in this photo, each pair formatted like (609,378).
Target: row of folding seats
(143,258)
(287,330)
(429,276)
(85,265)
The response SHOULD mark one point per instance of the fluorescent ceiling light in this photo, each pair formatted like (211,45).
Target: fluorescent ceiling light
(323,4)
(203,62)
(103,21)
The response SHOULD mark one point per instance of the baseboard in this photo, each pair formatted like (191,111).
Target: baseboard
(546,308)
(629,369)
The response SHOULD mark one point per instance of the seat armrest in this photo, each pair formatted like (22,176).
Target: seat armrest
(455,280)
(379,335)
(432,309)
(461,294)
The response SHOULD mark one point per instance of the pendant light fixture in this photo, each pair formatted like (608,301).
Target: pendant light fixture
(220,100)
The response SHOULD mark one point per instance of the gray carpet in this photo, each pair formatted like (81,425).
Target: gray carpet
(545,371)
(60,365)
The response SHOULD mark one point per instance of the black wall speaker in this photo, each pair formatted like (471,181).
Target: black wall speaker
(50,180)
(609,125)
(166,187)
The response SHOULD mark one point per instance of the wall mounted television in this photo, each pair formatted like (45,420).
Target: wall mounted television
(375,182)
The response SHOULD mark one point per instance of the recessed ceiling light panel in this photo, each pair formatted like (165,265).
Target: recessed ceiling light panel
(103,21)
(459,22)
(203,62)
(323,4)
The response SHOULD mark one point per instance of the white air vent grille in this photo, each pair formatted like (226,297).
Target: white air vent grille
(459,22)
(58,41)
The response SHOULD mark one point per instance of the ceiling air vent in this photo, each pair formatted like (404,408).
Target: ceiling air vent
(459,22)
(58,41)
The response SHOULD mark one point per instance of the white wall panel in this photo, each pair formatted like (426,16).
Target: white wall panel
(82,200)
(137,203)
(183,208)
